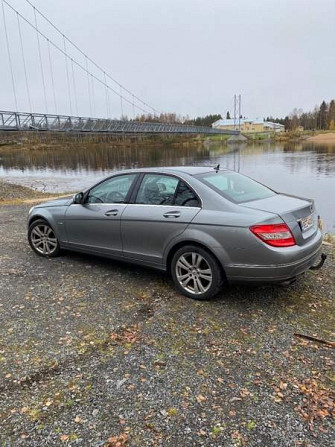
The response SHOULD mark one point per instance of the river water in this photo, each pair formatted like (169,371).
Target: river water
(304,169)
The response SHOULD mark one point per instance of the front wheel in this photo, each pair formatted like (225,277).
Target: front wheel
(42,239)
(196,272)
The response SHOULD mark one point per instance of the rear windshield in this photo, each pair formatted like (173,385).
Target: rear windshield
(235,187)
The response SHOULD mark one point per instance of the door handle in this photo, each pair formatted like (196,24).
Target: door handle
(170,214)
(111,213)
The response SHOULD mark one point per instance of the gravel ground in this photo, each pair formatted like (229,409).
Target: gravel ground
(100,353)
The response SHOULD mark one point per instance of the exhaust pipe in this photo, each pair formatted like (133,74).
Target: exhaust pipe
(288,282)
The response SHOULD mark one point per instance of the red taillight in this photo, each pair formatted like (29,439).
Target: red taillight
(278,235)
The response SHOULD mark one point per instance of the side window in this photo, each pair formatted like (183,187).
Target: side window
(157,189)
(113,190)
(185,196)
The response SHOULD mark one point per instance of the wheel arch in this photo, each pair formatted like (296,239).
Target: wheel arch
(183,243)
(36,217)
(50,221)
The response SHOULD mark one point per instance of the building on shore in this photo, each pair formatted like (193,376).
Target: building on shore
(247,125)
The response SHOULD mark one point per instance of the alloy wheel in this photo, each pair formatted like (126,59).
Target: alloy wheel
(43,239)
(194,273)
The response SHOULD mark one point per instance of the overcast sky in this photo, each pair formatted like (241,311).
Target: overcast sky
(184,56)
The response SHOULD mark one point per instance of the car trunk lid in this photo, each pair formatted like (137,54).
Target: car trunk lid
(298,213)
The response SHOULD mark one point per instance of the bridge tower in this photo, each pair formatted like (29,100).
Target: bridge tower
(237,109)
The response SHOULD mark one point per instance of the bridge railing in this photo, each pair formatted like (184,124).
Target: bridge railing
(21,121)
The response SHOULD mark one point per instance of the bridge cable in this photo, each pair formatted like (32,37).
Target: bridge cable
(93,95)
(41,64)
(24,63)
(88,87)
(75,62)
(67,76)
(9,55)
(91,60)
(74,88)
(52,77)
(121,104)
(107,98)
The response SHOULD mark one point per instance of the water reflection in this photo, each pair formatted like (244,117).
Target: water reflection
(91,158)
(305,169)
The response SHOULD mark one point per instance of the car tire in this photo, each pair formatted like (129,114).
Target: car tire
(196,272)
(42,239)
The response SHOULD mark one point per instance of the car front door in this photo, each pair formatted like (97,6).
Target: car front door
(95,224)
(163,207)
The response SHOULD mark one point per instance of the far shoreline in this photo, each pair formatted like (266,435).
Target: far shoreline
(323,138)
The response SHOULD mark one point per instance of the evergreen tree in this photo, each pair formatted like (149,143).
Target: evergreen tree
(287,123)
(228,116)
(331,115)
(322,117)
(207,120)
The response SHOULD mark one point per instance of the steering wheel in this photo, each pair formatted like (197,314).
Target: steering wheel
(115,196)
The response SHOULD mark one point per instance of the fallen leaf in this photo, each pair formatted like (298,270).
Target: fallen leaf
(200,398)
(251,425)
(245,393)
(318,402)
(117,441)
(282,386)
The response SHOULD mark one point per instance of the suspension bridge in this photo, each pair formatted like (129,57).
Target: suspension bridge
(60,123)
(37,50)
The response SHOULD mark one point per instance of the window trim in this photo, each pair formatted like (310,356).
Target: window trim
(140,180)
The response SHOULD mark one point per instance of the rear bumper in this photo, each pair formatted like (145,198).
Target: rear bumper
(274,273)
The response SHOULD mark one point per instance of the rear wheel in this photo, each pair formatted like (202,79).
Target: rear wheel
(196,272)
(42,239)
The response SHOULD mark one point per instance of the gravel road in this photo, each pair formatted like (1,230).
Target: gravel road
(100,353)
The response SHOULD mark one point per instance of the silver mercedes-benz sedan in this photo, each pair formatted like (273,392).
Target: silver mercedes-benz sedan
(205,226)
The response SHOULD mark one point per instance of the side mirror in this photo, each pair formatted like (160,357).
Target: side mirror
(78,198)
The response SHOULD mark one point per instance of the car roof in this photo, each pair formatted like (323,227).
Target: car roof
(190,170)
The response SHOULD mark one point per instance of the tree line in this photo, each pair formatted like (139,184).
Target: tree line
(320,118)
(174,118)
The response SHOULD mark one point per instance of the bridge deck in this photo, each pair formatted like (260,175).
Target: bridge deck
(22,121)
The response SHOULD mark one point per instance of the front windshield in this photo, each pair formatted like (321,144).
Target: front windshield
(235,187)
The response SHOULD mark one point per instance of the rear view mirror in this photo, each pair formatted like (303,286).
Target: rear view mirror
(78,198)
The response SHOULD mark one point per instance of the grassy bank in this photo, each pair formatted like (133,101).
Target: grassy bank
(34,140)
(41,139)
(12,194)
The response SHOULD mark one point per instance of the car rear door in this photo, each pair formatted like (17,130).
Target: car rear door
(95,224)
(163,207)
